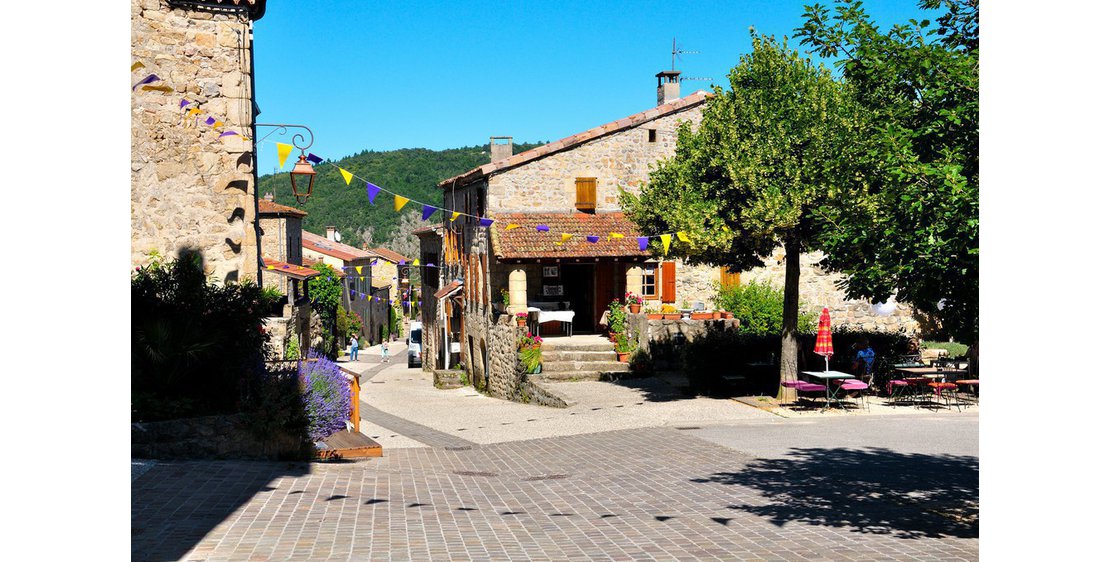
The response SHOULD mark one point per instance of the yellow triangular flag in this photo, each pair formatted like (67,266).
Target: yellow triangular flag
(399,202)
(367,297)
(195,111)
(512,226)
(137,66)
(613,235)
(666,238)
(682,236)
(361,278)
(358,268)
(416,263)
(565,238)
(217,124)
(283,151)
(346,175)
(269,267)
(455,215)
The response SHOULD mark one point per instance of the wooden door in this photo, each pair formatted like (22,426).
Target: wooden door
(604,290)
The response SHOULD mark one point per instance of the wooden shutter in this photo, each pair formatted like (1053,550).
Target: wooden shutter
(729,279)
(666,274)
(586,189)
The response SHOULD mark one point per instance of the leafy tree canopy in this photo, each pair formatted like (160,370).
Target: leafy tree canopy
(915,230)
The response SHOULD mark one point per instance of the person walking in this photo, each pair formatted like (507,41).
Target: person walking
(385,352)
(354,348)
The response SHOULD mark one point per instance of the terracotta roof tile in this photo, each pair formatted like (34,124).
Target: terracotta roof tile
(295,271)
(271,208)
(527,242)
(446,290)
(390,255)
(318,243)
(515,160)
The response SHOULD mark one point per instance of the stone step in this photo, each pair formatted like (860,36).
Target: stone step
(575,355)
(566,376)
(600,345)
(584,365)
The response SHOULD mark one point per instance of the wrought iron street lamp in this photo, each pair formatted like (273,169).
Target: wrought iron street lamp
(303,176)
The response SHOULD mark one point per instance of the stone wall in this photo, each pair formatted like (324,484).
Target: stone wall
(213,437)
(622,159)
(191,189)
(818,288)
(281,238)
(385,273)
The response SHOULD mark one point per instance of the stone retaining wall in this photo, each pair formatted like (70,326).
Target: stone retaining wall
(212,437)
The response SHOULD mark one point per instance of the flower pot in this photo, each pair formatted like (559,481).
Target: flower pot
(701,316)
(634,308)
(520,322)
(728,315)
(717,315)
(622,357)
(672,316)
(655,316)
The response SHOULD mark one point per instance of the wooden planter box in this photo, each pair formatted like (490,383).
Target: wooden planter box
(655,316)
(672,316)
(701,316)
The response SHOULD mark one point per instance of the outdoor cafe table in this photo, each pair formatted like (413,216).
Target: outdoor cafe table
(931,373)
(826,377)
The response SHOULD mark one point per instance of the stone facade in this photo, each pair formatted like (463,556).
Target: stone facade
(191,189)
(620,160)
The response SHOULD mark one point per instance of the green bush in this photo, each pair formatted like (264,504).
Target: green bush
(954,349)
(758,307)
(193,344)
(292,348)
(324,292)
(617,317)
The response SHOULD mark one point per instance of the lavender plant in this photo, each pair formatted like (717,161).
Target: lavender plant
(326,396)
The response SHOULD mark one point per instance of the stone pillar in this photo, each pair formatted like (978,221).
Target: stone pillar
(518,291)
(634,279)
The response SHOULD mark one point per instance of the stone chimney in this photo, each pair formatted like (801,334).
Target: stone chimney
(500,148)
(329,233)
(667,89)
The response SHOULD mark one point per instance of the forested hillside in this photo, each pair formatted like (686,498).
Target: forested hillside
(412,172)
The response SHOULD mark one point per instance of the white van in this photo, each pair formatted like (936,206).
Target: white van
(414,340)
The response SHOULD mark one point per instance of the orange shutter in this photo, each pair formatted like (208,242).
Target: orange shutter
(729,279)
(586,189)
(667,269)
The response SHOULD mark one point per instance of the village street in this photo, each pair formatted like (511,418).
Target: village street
(467,477)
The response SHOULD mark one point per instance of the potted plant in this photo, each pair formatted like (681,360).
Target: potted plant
(504,299)
(670,313)
(521,319)
(530,351)
(716,314)
(652,313)
(634,302)
(624,348)
(618,319)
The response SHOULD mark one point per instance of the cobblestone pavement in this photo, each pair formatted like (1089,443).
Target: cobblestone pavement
(635,494)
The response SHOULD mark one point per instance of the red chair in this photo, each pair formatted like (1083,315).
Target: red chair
(946,390)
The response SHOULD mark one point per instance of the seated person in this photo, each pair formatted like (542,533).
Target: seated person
(862,359)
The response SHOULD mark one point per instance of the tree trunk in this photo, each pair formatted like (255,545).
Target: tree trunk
(788,363)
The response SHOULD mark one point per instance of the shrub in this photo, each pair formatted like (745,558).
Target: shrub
(617,317)
(758,307)
(324,291)
(326,396)
(274,408)
(954,349)
(292,348)
(193,344)
(347,324)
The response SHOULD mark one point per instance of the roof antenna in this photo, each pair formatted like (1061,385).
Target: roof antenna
(676,51)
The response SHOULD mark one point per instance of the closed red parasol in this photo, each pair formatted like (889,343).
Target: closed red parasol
(824,337)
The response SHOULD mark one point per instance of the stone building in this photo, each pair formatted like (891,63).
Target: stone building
(568,187)
(356,267)
(190,187)
(392,269)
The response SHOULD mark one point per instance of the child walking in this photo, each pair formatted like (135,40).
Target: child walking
(385,352)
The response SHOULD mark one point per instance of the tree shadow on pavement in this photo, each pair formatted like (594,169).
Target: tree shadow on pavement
(868,491)
(176,504)
(657,388)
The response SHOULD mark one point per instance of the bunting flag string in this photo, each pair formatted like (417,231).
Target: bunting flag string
(399,201)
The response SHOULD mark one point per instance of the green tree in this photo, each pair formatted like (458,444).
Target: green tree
(764,158)
(915,230)
(324,292)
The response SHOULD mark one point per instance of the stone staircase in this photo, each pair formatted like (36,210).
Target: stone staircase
(582,357)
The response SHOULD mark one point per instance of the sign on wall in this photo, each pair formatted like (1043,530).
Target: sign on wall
(552,290)
(551,271)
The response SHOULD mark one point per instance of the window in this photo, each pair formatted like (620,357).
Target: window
(659,281)
(650,286)
(651,135)
(586,189)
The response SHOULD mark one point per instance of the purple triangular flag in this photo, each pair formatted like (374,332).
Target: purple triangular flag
(150,78)
(429,211)
(210,121)
(372,192)
(184,102)
(542,228)
(430,264)
(643,240)
(485,222)
(229,134)
(313,158)
(593,239)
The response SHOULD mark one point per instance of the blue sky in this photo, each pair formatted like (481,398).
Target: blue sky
(385,75)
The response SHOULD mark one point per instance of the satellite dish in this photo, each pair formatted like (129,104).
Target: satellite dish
(338,237)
